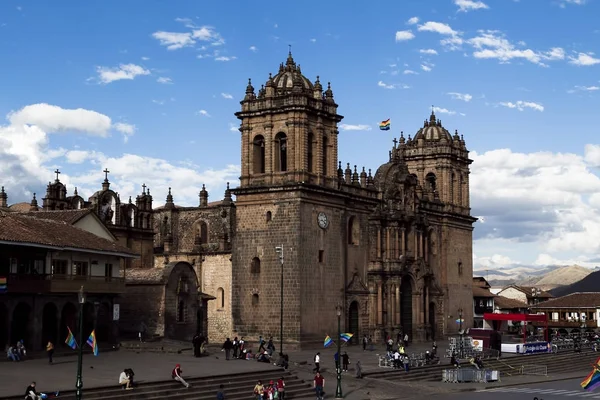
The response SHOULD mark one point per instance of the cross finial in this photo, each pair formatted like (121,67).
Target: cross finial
(144,188)
(57,172)
(290,48)
(395,141)
(106,172)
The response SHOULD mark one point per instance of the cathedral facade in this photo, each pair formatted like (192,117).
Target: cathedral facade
(391,247)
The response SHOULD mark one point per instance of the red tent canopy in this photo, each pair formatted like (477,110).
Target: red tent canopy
(515,317)
(519,317)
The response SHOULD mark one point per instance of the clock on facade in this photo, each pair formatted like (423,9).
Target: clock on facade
(322,220)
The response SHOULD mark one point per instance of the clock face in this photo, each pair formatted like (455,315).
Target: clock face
(322,220)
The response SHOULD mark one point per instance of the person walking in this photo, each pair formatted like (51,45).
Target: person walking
(227,346)
(196,344)
(221,393)
(319,385)
(345,362)
(365,341)
(50,351)
(281,388)
(317,368)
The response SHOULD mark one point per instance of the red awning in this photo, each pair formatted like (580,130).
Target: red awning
(515,317)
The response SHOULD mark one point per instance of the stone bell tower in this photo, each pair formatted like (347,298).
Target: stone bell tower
(289,130)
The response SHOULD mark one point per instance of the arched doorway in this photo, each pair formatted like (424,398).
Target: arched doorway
(406,306)
(432,319)
(3,325)
(103,323)
(49,324)
(21,321)
(353,322)
(68,318)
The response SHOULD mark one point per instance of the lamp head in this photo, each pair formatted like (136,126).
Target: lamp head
(81,296)
(338,310)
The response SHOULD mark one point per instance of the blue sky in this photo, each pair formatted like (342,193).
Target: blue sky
(149,89)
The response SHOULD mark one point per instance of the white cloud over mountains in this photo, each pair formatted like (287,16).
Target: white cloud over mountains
(27,158)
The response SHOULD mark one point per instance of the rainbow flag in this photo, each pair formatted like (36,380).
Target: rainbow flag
(70,340)
(385,125)
(327,342)
(3,287)
(346,336)
(592,381)
(92,342)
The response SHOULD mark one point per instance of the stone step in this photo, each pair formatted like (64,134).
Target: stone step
(236,386)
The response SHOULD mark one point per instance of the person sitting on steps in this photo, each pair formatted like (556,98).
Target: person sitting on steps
(124,380)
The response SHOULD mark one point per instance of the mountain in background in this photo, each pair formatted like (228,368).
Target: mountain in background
(590,283)
(546,278)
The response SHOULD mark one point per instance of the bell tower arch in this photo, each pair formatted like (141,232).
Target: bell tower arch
(289,130)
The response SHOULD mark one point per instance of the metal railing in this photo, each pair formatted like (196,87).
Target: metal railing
(530,369)
(456,375)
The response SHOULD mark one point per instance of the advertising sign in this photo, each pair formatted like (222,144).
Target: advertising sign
(537,347)
(477,344)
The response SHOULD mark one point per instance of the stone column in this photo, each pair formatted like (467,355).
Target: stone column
(426,247)
(417,251)
(392,307)
(403,239)
(396,243)
(398,303)
(269,143)
(379,303)
(421,244)
(372,305)
(426,316)
(388,253)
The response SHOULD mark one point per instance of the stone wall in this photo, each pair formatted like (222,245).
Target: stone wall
(216,281)
(143,303)
(181,289)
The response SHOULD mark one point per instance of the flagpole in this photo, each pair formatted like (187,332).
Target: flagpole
(79,383)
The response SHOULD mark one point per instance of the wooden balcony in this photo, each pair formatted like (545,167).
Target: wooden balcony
(567,324)
(44,284)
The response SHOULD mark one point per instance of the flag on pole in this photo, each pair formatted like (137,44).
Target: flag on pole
(592,381)
(70,340)
(385,125)
(346,336)
(92,342)
(3,284)
(327,342)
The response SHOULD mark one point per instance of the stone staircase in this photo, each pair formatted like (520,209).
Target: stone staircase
(236,387)
(567,361)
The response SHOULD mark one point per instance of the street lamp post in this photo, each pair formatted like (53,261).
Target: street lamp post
(460,331)
(79,383)
(338,389)
(279,251)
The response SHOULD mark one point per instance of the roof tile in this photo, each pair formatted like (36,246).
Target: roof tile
(573,300)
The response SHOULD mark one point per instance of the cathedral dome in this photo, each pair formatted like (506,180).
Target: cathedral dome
(433,130)
(290,77)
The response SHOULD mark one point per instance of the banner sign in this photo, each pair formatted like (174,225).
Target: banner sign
(537,347)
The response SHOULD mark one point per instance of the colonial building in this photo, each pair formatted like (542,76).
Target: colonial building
(575,312)
(483,302)
(391,246)
(525,294)
(45,262)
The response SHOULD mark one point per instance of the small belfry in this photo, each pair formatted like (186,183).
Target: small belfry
(289,130)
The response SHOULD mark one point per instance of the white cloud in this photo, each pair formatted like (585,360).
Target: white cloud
(174,40)
(359,127)
(392,85)
(452,43)
(440,110)
(145,58)
(49,118)
(402,36)
(234,127)
(470,5)
(122,72)
(584,60)
(224,58)
(584,89)
(413,21)
(253,49)
(564,3)
(428,51)
(495,45)
(76,156)
(203,113)
(437,27)
(164,80)
(522,105)
(208,34)
(226,96)
(409,72)
(126,129)
(313,40)
(426,68)
(460,96)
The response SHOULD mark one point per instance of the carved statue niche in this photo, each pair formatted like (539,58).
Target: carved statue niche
(106,211)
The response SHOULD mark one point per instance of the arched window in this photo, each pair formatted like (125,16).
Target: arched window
(255,299)
(258,155)
(324,155)
(280,152)
(431,181)
(310,152)
(203,232)
(255,265)
(220,298)
(269,216)
(181,311)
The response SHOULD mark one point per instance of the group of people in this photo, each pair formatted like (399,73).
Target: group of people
(270,391)
(345,358)
(16,352)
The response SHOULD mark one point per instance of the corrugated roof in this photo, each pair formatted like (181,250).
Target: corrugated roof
(24,229)
(573,300)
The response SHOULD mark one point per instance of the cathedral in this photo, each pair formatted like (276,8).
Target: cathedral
(391,247)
